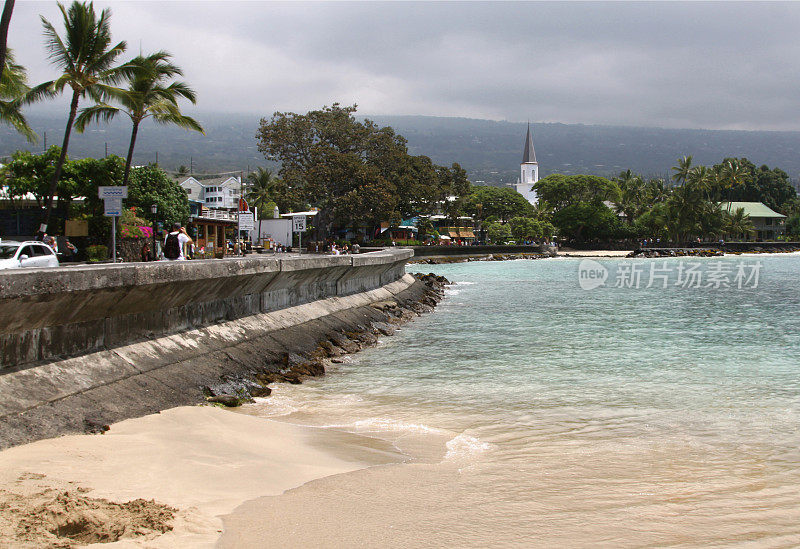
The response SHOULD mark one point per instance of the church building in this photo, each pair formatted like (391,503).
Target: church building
(529,171)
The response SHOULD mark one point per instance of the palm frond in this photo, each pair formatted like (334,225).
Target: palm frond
(11,114)
(96,113)
(185,122)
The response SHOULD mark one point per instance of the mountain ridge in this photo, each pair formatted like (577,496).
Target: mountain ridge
(489,150)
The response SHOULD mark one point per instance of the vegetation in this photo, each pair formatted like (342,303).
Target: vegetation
(357,173)
(85,58)
(14,94)
(148,95)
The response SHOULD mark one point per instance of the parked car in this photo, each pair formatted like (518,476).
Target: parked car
(16,255)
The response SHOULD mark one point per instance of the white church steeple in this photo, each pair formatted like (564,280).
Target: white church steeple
(528,170)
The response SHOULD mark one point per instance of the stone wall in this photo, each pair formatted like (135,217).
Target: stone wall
(52,314)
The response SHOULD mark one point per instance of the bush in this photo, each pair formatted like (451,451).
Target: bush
(96,253)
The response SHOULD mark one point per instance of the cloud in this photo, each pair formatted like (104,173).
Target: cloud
(709,65)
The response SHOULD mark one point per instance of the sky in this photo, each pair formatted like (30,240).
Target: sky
(678,65)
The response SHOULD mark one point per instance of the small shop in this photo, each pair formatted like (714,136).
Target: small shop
(211,236)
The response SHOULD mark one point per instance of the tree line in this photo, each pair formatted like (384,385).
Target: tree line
(690,206)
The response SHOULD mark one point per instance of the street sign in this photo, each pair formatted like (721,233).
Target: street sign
(112,192)
(298,223)
(246,221)
(112,207)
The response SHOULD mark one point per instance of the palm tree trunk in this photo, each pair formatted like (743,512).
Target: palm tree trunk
(73,112)
(5,20)
(128,161)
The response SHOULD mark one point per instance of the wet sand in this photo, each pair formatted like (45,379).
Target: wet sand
(202,461)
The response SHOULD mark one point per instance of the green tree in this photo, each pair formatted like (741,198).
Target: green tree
(498,233)
(793,227)
(500,202)
(632,198)
(85,58)
(586,221)
(259,194)
(151,185)
(149,95)
(30,173)
(264,185)
(738,223)
(425,228)
(524,228)
(682,169)
(561,191)
(355,172)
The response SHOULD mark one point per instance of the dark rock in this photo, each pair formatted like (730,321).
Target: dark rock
(230,401)
(95,426)
(260,392)
(383,328)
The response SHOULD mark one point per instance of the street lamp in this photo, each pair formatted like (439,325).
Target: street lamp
(154,211)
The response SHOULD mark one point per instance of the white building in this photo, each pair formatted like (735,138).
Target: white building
(222,193)
(528,171)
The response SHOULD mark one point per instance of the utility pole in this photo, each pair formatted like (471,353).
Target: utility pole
(45,141)
(106,156)
(156,158)
(191,165)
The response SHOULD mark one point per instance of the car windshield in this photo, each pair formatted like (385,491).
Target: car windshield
(8,250)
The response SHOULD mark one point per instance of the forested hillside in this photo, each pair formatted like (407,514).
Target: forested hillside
(489,151)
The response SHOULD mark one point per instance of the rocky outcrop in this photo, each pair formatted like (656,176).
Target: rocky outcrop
(295,367)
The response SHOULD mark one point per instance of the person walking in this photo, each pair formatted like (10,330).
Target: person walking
(174,242)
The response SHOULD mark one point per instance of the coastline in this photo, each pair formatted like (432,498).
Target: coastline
(202,461)
(167,479)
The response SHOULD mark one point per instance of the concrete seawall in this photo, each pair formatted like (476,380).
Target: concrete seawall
(91,346)
(48,314)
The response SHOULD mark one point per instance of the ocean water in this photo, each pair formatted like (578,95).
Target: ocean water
(537,413)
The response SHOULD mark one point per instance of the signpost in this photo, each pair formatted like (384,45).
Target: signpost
(299,227)
(112,207)
(247,221)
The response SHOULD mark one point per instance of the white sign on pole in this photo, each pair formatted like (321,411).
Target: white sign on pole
(112,207)
(298,223)
(247,221)
(112,192)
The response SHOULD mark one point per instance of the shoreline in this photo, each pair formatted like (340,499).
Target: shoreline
(168,479)
(618,254)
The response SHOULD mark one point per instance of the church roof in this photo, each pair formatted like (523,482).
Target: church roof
(528,155)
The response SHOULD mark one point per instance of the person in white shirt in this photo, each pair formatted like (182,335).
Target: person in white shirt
(174,242)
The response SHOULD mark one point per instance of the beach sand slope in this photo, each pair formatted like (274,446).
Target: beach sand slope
(187,466)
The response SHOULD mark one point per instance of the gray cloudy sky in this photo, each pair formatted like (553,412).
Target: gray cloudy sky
(694,65)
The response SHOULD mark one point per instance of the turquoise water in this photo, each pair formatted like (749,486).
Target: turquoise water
(540,413)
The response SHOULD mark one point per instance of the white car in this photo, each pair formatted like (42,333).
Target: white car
(16,255)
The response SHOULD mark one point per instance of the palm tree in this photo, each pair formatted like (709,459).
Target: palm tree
(682,169)
(733,176)
(85,58)
(148,95)
(739,223)
(631,197)
(699,178)
(259,193)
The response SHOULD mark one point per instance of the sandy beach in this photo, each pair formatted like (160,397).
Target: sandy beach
(189,465)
